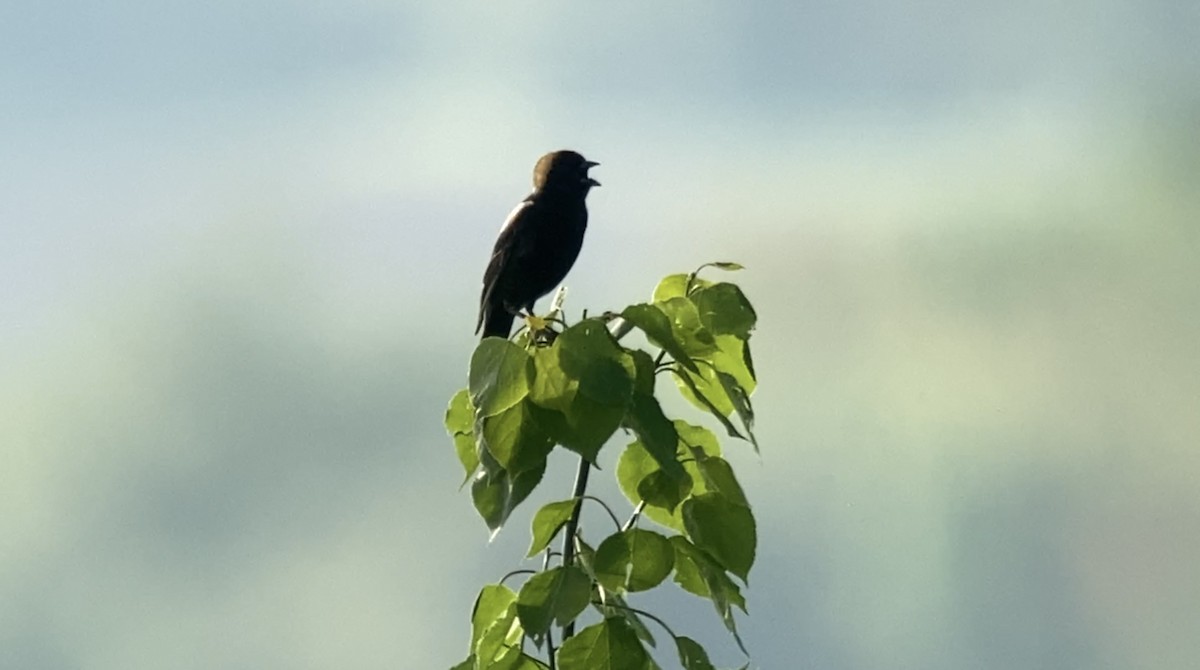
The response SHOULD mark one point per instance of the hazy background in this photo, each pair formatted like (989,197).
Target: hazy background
(240,250)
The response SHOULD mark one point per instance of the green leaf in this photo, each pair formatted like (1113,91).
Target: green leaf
(705,390)
(499,377)
(728,266)
(718,477)
(509,658)
(555,595)
(698,573)
(741,404)
(551,387)
(705,395)
(588,353)
(585,554)
(514,438)
(615,606)
(671,286)
(468,664)
(724,529)
(581,388)
(634,466)
(723,385)
(748,364)
(460,423)
(691,655)
(659,490)
(644,377)
(583,428)
(609,645)
(694,282)
(611,604)
(686,327)
(724,310)
(657,326)
(687,569)
(460,415)
(656,433)
(496,493)
(524,482)
(464,448)
(527,662)
(727,380)
(700,444)
(697,438)
(500,642)
(547,522)
(633,560)
(732,356)
(490,605)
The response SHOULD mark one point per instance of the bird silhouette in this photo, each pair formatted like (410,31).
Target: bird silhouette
(538,243)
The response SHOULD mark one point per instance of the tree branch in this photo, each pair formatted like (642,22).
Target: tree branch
(568,551)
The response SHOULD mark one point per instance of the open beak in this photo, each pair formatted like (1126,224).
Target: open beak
(587,165)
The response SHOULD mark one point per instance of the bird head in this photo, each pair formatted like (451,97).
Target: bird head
(564,171)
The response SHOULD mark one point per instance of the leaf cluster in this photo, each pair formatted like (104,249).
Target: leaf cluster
(577,391)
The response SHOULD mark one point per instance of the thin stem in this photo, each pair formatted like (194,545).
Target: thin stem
(514,573)
(550,648)
(637,512)
(568,550)
(549,633)
(662,353)
(616,521)
(641,612)
(568,545)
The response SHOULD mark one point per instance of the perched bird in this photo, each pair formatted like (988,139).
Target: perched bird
(539,242)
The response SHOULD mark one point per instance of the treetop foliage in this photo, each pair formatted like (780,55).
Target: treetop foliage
(575,388)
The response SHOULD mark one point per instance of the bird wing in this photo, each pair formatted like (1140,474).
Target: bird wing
(514,244)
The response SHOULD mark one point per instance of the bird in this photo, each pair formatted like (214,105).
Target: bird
(538,242)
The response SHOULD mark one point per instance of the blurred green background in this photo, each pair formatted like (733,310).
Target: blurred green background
(241,246)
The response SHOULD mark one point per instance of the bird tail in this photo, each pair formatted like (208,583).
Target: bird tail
(496,322)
